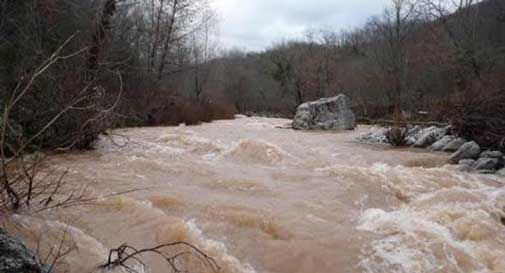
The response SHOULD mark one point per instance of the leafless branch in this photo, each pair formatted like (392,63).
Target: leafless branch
(119,257)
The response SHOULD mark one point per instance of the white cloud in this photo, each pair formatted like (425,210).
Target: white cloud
(256,24)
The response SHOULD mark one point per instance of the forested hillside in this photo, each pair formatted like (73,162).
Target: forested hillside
(417,56)
(99,64)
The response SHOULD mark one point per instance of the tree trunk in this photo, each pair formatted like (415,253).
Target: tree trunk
(166,45)
(154,49)
(99,39)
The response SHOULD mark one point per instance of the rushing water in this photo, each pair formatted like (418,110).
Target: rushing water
(258,198)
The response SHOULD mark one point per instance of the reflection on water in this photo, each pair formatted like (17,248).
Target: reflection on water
(262,199)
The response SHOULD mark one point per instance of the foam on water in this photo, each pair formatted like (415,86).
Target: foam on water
(408,183)
(191,143)
(454,229)
(213,246)
(110,146)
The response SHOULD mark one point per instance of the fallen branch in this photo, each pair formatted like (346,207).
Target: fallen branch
(125,253)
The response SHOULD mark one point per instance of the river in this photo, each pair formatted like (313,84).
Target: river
(258,198)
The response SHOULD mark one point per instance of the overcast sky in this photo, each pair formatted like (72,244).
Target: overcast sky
(256,24)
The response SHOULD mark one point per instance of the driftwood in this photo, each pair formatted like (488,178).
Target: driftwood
(384,122)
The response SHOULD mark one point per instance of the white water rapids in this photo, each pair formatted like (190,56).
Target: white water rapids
(262,199)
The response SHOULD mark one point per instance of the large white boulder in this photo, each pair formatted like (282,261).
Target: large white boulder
(325,114)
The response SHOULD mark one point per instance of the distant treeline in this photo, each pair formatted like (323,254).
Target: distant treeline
(82,66)
(418,57)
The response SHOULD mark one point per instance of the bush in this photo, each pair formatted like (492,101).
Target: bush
(481,117)
(176,110)
(220,110)
(397,136)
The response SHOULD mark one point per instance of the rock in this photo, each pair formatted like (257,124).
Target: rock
(325,114)
(487,164)
(413,134)
(467,162)
(430,136)
(501,172)
(414,130)
(454,145)
(442,143)
(469,150)
(492,154)
(410,140)
(15,256)
(374,137)
(465,168)
(466,165)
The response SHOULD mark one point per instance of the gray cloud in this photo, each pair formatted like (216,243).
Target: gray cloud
(256,24)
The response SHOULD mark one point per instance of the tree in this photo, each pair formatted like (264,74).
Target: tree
(474,31)
(392,33)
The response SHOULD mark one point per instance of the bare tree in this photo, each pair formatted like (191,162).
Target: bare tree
(21,183)
(99,37)
(202,46)
(392,31)
(466,30)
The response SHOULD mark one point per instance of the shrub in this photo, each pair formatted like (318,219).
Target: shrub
(397,136)
(481,117)
(220,110)
(177,110)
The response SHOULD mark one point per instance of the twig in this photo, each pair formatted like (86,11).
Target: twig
(124,253)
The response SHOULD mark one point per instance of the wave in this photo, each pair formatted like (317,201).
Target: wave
(257,152)
(168,229)
(191,143)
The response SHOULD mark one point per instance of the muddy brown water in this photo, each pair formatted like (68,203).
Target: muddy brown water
(262,199)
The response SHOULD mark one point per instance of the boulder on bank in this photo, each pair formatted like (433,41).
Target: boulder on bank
(413,134)
(492,154)
(487,164)
(378,136)
(467,162)
(454,145)
(442,143)
(430,136)
(325,114)
(15,256)
(469,150)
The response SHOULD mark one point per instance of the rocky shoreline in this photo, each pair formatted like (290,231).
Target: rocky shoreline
(465,153)
(15,257)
